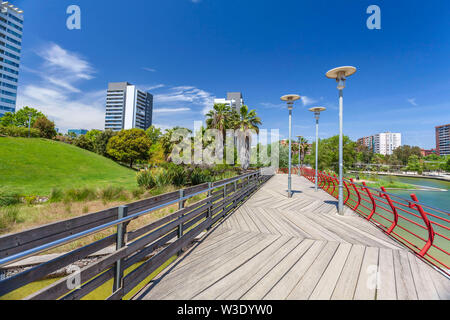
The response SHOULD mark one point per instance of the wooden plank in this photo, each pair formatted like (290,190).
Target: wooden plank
(346,285)
(286,284)
(247,281)
(387,289)
(306,285)
(325,287)
(239,275)
(403,277)
(367,280)
(440,282)
(424,284)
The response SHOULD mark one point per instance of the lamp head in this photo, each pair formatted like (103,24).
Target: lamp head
(317,111)
(341,74)
(290,98)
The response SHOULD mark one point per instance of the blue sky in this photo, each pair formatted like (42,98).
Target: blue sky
(188,52)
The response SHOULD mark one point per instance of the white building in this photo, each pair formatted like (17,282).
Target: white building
(234,100)
(11,27)
(385,143)
(127,107)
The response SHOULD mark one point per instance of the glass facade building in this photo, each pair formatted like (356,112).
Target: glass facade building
(127,107)
(443,140)
(11,27)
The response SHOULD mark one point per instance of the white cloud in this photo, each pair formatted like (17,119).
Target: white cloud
(149,69)
(183,95)
(55,92)
(308,101)
(412,101)
(169,110)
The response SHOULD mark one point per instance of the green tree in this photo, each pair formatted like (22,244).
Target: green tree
(248,121)
(221,118)
(329,153)
(129,146)
(101,142)
(93,134)
(414,164)
(46,127)
(404,152)
(84,143)
(21,117)
(154,134)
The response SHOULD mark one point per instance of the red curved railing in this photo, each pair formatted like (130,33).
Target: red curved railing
(423,229)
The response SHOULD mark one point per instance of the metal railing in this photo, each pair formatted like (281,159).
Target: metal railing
(171,234)
(422,228)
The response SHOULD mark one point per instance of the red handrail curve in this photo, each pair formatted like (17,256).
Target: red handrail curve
(388,210)
(427,223)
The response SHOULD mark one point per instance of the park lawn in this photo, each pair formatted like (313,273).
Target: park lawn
(36,166)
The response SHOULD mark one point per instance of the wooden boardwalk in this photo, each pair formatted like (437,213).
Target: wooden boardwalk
(277,248)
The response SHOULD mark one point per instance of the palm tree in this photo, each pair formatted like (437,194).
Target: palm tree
(246,121)
(220,118)
(304,148)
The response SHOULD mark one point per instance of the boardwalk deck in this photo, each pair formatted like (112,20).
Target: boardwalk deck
(273,247)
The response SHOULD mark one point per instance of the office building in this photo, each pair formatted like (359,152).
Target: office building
(369,142)
(11,27)
(383,143)
(443,140)
(234,99)
(78,132)
(127,107)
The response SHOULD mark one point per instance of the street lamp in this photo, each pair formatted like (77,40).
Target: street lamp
(340,75)
(299,155)
(290,98)
(317,111)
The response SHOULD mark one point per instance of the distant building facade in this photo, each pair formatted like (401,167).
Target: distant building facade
(11,28)
(443,140)
(127,107)
(234,100)
(426,153)
(78,132)
(383,143)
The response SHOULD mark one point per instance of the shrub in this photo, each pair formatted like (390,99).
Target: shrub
(9,215)
(56,195)
(80,195)
(137,193)
(9,198)
(12,131)
(84,143)
(162,177)
(199,176)
(145,179)
(178,175)
(45,127)
(112,193)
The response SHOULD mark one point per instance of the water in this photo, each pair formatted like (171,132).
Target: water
(437,199)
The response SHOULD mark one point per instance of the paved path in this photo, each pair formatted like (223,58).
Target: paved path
(277,248)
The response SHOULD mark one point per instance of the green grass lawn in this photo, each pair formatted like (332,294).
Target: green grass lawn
(36,166)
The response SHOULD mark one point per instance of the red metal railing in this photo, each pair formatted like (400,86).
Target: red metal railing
(423,229)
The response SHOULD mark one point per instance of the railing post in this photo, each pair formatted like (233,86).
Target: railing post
(430,241)
(180,226)
(120,243)
(333,178)
(357,193)
(394,210)
(209,215)
(348,193)
(374,205)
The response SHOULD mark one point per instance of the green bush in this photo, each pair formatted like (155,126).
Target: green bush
(199,176)
(145,179)
(178,175)
(9,215)
(80,195)
(13,131)
(56,195)
(9,198)
(112,193)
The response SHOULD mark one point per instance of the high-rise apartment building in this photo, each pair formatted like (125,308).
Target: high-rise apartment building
(384,143)
(234,99)
(443,140)
(127,107)
(11,27)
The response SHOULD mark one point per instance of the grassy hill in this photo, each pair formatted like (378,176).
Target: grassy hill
(36,166)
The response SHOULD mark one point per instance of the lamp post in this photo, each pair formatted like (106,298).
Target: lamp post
(317,111)
(299,155)
(29,124)
(340,75)
(290,98)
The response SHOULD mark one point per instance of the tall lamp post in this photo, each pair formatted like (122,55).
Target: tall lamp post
(317,111)
(290,98)
(340,75)
(299,155)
